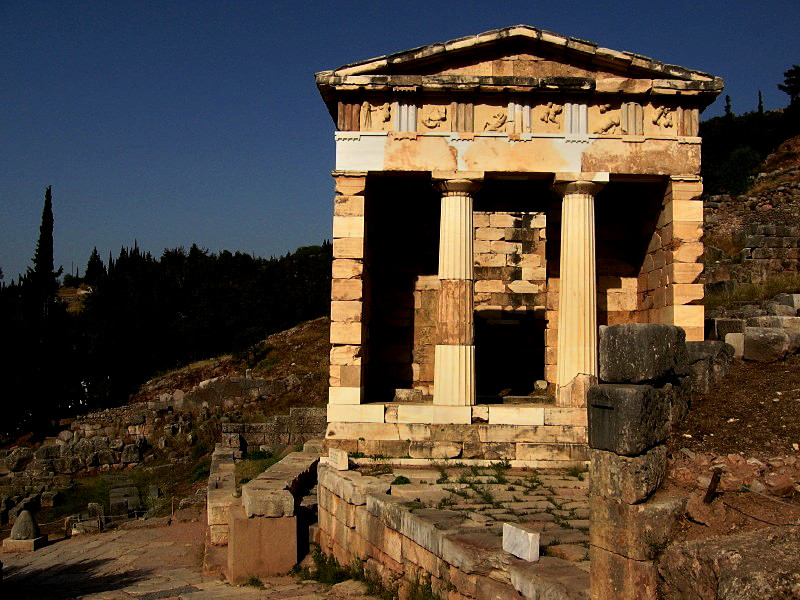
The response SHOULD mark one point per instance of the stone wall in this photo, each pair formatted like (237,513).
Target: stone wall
(670,289)
(767,250)
(299,426)
(756,236)
(120,438)
(358,520)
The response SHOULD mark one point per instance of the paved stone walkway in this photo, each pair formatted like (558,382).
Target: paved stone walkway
(145,564)
(555,502)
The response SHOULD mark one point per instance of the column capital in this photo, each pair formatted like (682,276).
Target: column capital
(451,183)
(579,183)
(350,183)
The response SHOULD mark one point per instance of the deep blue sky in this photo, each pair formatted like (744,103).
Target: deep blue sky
(178,122)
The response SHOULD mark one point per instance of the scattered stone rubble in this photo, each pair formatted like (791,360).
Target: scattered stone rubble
(763,227)
(124,437)
(762,333)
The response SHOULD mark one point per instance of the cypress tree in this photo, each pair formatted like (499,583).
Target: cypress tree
(42,277)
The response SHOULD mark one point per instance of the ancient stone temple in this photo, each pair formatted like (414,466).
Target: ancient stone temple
(499,198)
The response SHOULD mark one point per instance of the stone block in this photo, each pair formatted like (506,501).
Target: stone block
(260,547)
(551,451)
(368,431)
(347,311)
(348,226)
(516,415)
(347,289)
(558,415)
(346,355)
(341,395)
(351,486)
(435,450)
(638,353)
(355,413)
(348,248)
(433,414)
(338,459)
(792,300)
(620,578)
(736,341)
(349,184)
(550,577)
(473,551)
(31,545)
(347,268)
(683,272)
(788,324)
(521,540)
(723,327)
(266,499)
(627,419)
(628,479)
(393,448)
(755,564)
(765,344)
(346,333)
(636,531)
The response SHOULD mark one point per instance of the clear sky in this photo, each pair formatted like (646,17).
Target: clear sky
(172,123)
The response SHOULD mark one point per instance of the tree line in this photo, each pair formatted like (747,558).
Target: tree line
(144,315)
(734,146)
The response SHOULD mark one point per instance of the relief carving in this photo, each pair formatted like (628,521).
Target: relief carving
(551,113)
(611,122)
(434,116)
(663,117)
(497,121)
(377,115)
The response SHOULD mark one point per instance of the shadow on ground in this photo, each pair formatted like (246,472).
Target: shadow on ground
(70,580)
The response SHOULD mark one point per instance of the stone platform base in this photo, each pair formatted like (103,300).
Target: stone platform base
(10,545)
(535,436)
(449,533)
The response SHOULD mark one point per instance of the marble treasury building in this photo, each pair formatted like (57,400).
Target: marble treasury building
(498,198)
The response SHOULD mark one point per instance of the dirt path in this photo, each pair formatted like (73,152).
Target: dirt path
(146,563)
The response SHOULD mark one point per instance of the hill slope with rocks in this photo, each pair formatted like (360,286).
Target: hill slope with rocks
(754,236)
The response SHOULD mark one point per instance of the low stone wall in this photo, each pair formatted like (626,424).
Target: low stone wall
(299,426)
(261,527)
(761,333)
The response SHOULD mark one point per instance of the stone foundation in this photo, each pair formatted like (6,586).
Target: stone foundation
(527,435)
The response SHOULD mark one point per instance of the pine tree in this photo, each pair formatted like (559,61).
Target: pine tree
(728,111)
(95,269)
(791,84)
(760,103)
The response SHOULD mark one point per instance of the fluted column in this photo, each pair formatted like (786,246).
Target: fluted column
(454,359)
(577,301)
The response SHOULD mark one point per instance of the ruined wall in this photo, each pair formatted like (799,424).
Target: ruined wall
(120,438)
(299,426)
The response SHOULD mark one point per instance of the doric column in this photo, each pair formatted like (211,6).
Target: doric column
(454,360)
(577,300)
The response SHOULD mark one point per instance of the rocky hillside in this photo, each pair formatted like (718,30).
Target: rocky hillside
(294,363)
(755,236)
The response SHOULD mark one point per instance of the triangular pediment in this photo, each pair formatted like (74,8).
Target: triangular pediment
(520,51)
